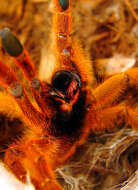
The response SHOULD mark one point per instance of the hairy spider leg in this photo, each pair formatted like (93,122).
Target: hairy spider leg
(62,32)
(113,89)
(68,55)
(16,90)
(108,95)
(41,173)
(68,51)
(22,59)
(14,48)
(13,109)
(26,157)
(25,63)
(23,157)
(113,116)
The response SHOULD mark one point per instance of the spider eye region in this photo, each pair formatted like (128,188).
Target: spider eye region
(61,80)
(66,82)
(67,85)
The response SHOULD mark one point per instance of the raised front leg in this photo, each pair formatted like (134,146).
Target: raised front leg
(69,53)
(22,59)
(16,90)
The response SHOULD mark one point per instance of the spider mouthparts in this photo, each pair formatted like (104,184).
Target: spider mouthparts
(10,43)
(56,94)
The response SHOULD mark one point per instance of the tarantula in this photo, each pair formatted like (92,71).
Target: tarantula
(68,106)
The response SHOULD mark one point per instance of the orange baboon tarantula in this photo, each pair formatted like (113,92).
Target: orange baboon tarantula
(68,106)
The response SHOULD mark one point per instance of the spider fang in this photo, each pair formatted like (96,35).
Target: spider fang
(57,94)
